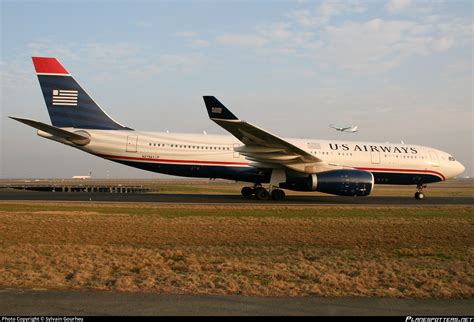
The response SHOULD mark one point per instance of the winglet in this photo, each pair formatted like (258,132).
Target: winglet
(217,110)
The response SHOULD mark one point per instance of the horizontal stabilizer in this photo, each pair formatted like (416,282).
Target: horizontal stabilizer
(56,131)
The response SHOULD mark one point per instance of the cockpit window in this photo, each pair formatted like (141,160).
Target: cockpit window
(451,158)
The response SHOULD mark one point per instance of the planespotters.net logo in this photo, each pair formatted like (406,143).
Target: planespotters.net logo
(439,319)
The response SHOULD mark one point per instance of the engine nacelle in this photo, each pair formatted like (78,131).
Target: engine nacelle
(337,182)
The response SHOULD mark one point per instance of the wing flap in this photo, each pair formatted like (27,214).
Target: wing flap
(272,156)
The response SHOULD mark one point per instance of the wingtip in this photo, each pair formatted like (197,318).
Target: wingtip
(208,99)
(217,110)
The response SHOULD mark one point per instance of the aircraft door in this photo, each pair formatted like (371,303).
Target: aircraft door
(434,159)
(132,143)
(375,157)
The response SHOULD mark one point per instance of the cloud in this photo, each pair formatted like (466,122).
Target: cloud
(242,40)
(168,62)
(395,6)
(144,24)
(112,52)
(50,48)
(378,45)
(275,32)
(323,13)
(200,43)
(93,51)
(444,43)
(16,74)
(114,59)
(179,60)
(263,35)
(363,46)
(186,34)
(193,38)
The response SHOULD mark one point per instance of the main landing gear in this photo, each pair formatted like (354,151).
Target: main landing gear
(419,191)
(277,176)
(261,193)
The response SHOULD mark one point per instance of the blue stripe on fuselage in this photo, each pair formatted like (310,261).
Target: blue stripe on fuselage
(250,174)
(246,174)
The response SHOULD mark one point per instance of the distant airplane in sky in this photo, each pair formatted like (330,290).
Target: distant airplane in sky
(250,154)
(349,129)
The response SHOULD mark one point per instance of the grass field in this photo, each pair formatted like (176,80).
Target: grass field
(252,250)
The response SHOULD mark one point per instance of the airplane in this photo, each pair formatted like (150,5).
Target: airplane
(250,154)
(348,129)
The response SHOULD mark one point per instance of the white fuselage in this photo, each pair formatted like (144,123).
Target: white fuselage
(145,149)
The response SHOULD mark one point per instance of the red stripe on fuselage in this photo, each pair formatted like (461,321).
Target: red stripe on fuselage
(172,161)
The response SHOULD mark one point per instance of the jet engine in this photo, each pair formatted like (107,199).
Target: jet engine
(347,182)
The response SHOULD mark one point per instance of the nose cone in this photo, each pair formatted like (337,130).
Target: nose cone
(459,168)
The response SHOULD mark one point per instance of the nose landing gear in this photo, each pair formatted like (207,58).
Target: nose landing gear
(419,191)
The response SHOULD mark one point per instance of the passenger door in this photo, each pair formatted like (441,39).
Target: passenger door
(375,157)
(132,143)
(434,159)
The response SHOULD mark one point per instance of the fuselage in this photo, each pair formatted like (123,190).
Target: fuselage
(213,156)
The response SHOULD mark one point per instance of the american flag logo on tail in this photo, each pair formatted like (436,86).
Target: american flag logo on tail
(65,97)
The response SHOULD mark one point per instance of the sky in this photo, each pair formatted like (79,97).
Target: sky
(401,70)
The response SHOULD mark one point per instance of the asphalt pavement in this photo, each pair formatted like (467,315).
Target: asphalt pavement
(223,199)
(42,302)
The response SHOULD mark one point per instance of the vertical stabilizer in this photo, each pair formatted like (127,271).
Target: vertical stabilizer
(68,103)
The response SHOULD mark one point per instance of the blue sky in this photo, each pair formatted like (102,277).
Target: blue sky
(400,69)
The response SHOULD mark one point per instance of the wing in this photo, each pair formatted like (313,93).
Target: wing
(262,148)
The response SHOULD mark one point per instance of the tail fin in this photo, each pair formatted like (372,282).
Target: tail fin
(68,104)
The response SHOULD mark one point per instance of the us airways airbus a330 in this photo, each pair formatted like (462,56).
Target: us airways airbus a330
(270,163)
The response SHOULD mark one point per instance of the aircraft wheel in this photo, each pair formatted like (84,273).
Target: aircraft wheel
(419,191)
(262,194)
(247,192)
(278,194)
(419,195)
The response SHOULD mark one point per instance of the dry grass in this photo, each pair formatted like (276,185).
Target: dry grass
(297,252)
